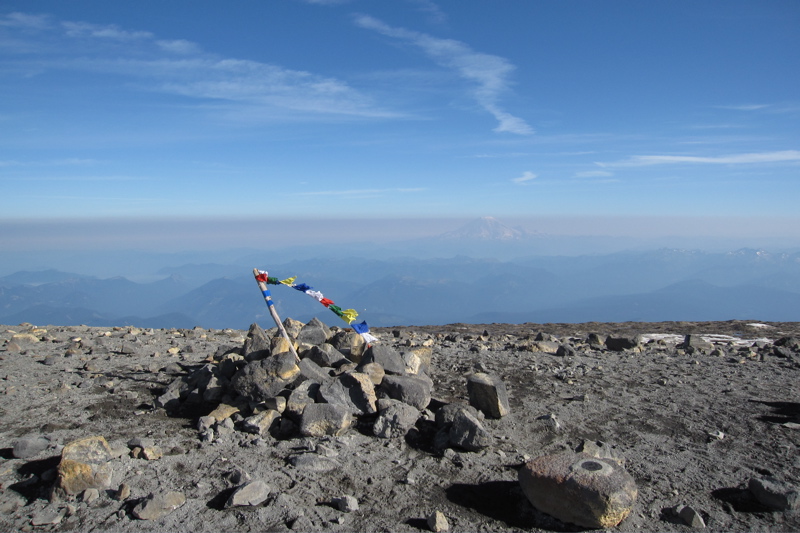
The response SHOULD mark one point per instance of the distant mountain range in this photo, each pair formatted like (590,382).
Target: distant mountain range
(656,285)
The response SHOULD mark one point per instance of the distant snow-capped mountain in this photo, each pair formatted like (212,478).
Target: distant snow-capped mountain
(486,229)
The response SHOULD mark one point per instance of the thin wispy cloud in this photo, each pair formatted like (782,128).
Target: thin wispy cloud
(431,9)
(180,67)
(109,31)
(594,174)
(732,159)
(525,178)
(71,161)
(745,107)
(489,73)
(360,192)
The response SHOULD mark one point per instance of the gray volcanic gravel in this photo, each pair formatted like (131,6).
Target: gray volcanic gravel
(693,427)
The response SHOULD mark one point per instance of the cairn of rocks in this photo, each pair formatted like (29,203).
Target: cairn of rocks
(339,383)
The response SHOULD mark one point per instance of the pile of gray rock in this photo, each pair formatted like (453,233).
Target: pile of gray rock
(338,383)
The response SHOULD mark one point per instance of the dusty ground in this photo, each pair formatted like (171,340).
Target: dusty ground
(693,430)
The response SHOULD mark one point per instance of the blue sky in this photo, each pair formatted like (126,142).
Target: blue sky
(408,109)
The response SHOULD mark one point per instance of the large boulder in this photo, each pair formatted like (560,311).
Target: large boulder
(577,488)
(85,464)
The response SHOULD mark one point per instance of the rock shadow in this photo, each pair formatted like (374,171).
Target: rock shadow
(33,486)
(741,500)
(782,412)
(504,501)
(218,502)
(418,523)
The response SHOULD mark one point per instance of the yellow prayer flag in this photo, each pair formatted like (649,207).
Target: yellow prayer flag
(349,315)
(288,281)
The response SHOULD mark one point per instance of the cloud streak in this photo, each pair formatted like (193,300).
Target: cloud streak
(358,193)
(179,67)
(525,178)
(732,159)
(488,73)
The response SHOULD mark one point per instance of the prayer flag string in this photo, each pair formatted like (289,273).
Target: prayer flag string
(348,315)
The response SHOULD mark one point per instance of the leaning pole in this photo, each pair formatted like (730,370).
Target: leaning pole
(271,306)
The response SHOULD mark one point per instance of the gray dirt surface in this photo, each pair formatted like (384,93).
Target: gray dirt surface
(692,429)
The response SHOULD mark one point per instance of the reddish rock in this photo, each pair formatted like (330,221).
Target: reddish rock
(580,489)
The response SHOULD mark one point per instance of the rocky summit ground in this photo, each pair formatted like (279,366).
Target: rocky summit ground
(693,424)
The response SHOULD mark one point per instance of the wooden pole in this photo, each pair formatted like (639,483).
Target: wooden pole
(271,306)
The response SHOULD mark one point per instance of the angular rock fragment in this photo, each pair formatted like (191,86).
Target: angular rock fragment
(447,413)
(222,412)
(386,356)
(775,493)
(394,419)
(250,494)
(437,522)
(487,393)
(304,394)
(354,391)
(619,344)
(579,489)
(320,419)
(292,327)
(690,516)
(171,397)
(265,378)
(468,433)
(157,506)
(312,371)
(600,449)
(695,343)
(413,390)
(257,344)
(374,371)
(315,332)
(346,504)
(325,355)
(261,422)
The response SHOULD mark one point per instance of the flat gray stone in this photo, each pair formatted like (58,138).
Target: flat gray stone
(29,446)
(314,462)
(250,494)
(157,506)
